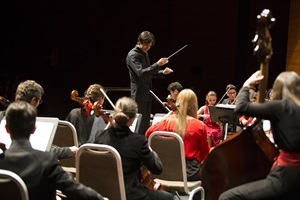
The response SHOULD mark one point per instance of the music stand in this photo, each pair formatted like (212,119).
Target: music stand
(223,113)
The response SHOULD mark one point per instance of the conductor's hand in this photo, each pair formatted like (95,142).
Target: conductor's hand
(162,61)
(167,70)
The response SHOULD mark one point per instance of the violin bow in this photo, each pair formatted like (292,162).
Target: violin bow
(111,103)
(156,97)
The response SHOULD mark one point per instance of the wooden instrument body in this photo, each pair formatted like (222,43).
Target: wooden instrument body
(246,156)
(147,180)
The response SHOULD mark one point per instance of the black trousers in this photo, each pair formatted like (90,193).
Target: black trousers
(144,108)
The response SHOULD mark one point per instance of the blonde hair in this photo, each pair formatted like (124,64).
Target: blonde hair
(287,86)
(126,109)
(187,105)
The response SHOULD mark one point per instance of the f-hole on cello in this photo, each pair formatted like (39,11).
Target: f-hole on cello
(247,155)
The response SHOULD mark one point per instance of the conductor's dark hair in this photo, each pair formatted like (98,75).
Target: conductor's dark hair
(146,37)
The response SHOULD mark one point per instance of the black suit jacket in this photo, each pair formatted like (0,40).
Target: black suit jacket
(42,173)
(134,151)
(141,73)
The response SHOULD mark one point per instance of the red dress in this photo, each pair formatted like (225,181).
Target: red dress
(195,140)
(213,129)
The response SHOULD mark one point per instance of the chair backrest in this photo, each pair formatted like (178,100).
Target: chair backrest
(12,186)
(170,149)
(99,166)
(66,136)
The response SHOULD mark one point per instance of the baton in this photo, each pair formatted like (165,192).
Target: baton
(177,51)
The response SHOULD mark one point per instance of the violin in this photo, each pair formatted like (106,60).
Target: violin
(99,112)
(91,108)
(171,103)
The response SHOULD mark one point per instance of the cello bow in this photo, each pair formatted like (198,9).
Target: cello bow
(247,155)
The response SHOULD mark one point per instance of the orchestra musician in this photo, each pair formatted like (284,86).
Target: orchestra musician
(40,171)
(86,123)
(213,129)
(184,121)
(173,88)
(283,111)
(231,94)
(134,151)
(32,92)
(141,72)
(231,99)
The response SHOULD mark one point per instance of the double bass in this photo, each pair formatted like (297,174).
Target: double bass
(247,155)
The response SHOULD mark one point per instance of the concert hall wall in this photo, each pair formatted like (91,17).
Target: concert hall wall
(68,45)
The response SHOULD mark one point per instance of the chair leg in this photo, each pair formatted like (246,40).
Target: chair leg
(175,193)
(194,191)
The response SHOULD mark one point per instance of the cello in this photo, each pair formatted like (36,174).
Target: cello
(248,154)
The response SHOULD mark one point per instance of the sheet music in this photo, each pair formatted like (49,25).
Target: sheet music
(41,139)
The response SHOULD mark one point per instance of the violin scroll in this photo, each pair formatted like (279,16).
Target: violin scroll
(92,108)
(74,96)
(85,103)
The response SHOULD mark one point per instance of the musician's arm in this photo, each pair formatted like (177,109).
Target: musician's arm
(150,159)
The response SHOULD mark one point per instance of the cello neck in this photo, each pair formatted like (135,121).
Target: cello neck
(263,49)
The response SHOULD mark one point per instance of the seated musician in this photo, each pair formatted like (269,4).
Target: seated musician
(86,123)
(283,111)
(134,152)
(231,94)
(174,89)
(185,122)
(231,99)
(214,132)
(40,171)
(32,92)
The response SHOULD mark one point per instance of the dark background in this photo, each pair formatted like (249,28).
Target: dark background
(67,45)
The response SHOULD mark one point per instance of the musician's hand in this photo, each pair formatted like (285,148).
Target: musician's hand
(167,70)
(74,150)
(165,104)
(162,61)
(253,79)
